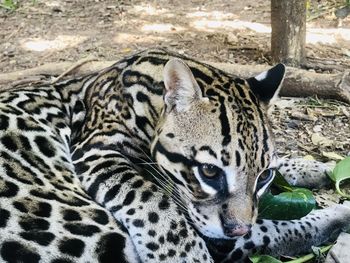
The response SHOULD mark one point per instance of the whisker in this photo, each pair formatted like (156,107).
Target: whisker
(176,199)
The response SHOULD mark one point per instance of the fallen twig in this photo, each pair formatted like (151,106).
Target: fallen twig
(73,68)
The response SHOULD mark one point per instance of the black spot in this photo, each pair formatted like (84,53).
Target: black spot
(188,247)
(200,245)
(100,217)
(170,135)
(137,184)
(237,254)
(112,193)
(259,221)
(238,159)
(40,237)
(161,239)
(71,215)
(151,256)
(171,252)
(115,208)
(44,210)
(266,240)
(131,211)
(24,125)
(4,216)
(73,247)
(110,248)
(145,196)
(225,127)
(152,246)
(8,189)
(249,245)
(102,166)
(129,198)
(183,233)
(263,228)
(81,229)
(74,201)
(25,144)
(153,217)
(44,146)
(152,233)
(205,257)
(4,122)
(13,252)
(164,204)
(81,167)
(34,224)
(138,223)
(162,257)
(20,206)
(173,238)
(9,142)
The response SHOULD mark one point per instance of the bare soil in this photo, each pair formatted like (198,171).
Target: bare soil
(43,31)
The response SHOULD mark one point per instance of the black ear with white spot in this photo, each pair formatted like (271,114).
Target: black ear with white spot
(180,85)
(267,84)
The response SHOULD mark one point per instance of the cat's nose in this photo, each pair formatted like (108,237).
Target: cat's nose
(232,229)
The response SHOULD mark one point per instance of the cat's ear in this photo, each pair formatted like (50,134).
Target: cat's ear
(267,84)
(181,88)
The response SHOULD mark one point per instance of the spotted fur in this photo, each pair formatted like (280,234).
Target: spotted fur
(158,158)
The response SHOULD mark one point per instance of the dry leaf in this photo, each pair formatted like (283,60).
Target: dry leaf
(319,140)
(333,156)
(309,157)
(126,50)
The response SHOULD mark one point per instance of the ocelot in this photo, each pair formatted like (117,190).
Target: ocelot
(157,158)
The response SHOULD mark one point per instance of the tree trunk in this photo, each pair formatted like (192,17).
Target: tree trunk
(288,22)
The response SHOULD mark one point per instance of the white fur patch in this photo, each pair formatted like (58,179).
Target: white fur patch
(261,76)
(206,188)
(230,179)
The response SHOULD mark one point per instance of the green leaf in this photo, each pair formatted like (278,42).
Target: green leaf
(287,205)
(263,259)
(281,183)
(340,175)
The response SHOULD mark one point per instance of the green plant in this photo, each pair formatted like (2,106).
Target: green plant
(341,177)
(285,202)
(302,259)
(9,4)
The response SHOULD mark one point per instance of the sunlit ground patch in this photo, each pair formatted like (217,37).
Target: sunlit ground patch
(59,43)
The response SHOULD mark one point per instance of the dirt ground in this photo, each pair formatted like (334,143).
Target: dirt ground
(43,31)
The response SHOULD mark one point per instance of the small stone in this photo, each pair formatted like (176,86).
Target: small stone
(57,9)
(340,252)
(301,116)
(346,112)
(231,38)
(293,124)
(317,128)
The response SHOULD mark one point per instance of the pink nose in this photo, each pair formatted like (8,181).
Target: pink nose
(232,230)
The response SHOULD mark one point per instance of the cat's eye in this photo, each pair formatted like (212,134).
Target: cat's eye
(265,178)
(209,170)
